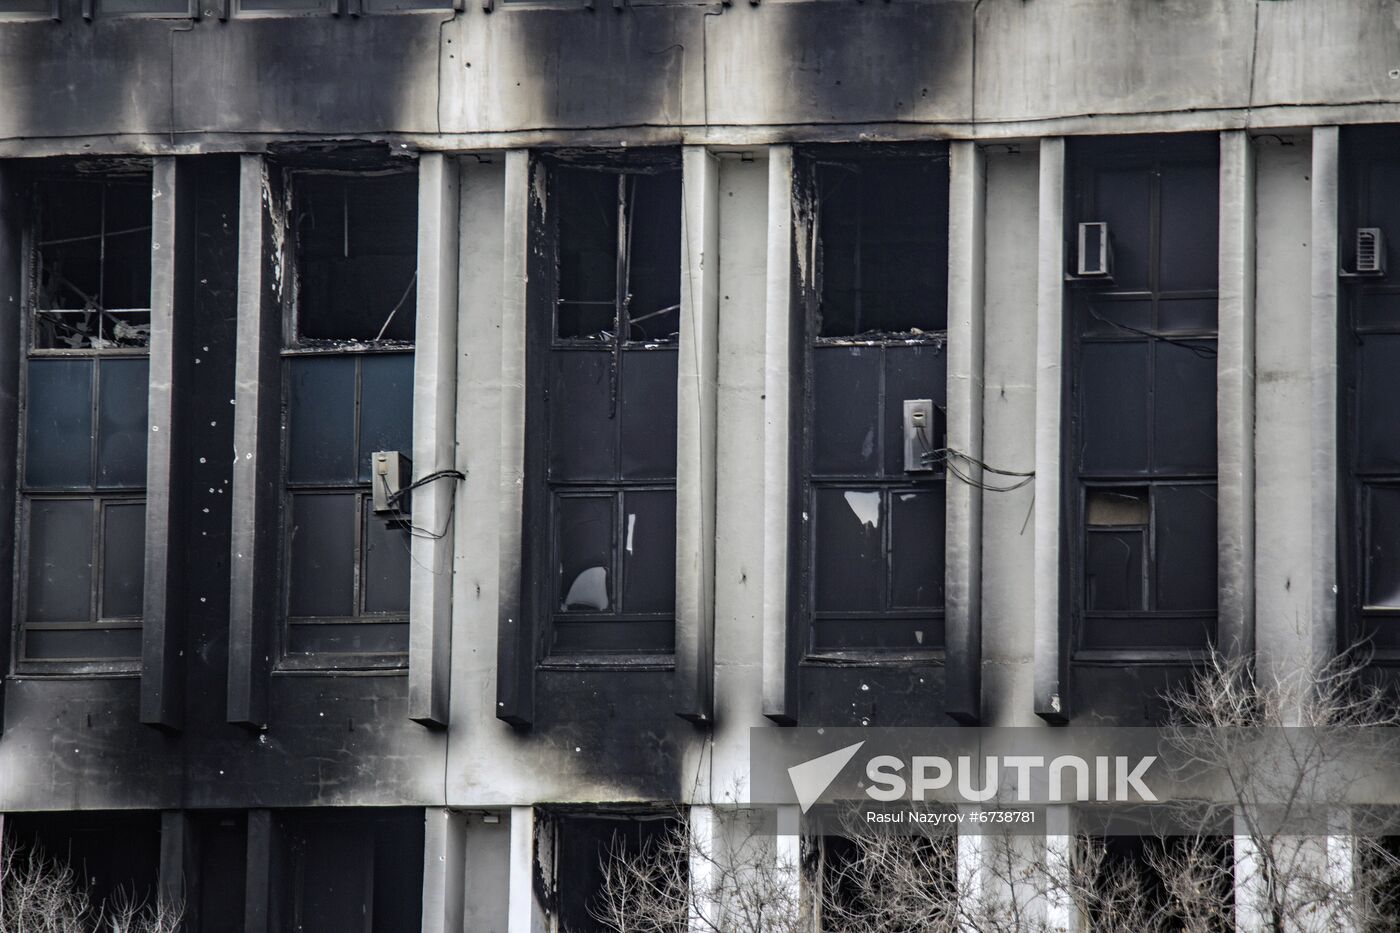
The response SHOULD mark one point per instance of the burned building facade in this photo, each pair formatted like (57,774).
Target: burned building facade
(436,433)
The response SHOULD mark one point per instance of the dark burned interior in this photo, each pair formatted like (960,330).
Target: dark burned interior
(601,412)
(1142,386)
(585,842)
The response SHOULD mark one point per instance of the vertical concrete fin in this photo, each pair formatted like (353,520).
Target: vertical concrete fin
(1051,635)
(12,284)
(162,680)
(434,447)
(1325,155)
(444,870)
(963,539)
(1235,394)
(259,903)
(696,391)
(525,913)
(256,453)
(515,654)
(779,670)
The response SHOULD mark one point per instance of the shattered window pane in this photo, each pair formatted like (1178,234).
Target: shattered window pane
(357,256)
(619,254)
(93,246)
(883,244)
(585,553)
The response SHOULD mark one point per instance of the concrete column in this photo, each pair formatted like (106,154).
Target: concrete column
(787,853)
(162,673)
(1323,462)
(515,671)
(963,538)
(705,876)
(1009,375)
(1282,423)
(779,678)
(177,862)
(1061,914)
(697,375)
(259,907)
(1235,394)
(444,870)
(525,912)
(434,441)
(1051,643)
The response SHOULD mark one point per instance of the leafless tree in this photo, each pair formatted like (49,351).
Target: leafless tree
(41,894)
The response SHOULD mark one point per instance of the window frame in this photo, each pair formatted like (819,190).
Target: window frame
(1147,154)
(99,495)
(292,348)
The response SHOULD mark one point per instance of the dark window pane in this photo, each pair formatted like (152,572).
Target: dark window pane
(884,254)
(121,422)
(916,546)
(1123,199)
(1378,436)
(586,204)
(1184,408)
(1187,315)
(123,559)
(58,435)
(582,438)
(348,638)
(848,556)
(322,577)
(601,635)
(846,411)
(655,283)
(387,563)
(584,552)
(386,406)
(98,644)
(911,373)
(1114,573)
(1114,318)
(649,551)
(1383,547)
(648,407)
(335,867)
(1113,407)
(321,416)
(1190,210)
(877,634)
(1378,309)
(1186,549)
(60,560)
(357,252)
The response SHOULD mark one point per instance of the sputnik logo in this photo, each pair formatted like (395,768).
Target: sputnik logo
(811,778)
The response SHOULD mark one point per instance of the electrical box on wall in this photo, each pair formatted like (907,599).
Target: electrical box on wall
(924,431)
(1095,251)
(390,473)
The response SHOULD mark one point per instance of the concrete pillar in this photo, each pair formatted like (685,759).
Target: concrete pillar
(177,857)
(444,870)
(259,905)
(1282,426)
(779,677)
(1009,376)
(963,538)
(696,397)
(1061,914)
(525,914)
(1235,394)
(1051,643)
(705,874)
(434,441)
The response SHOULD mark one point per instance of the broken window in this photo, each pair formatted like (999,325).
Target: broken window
(1131,882)
(603,406)
(594,859)
(1143,388)
(85,411)
(349,395)
(872,340)
(352,871)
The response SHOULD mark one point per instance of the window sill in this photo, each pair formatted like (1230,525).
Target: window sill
(893,658)
(31,670)
(349,664)
(1183,657)
(608,662)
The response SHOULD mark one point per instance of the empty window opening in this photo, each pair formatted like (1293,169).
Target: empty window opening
(1146,882)
(596,859)
(356,241)
(888,875)
(619,254)
(882,245)
(92,262)
(603,408)
(114,856)
(356,871)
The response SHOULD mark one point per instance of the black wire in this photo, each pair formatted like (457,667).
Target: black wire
(947,455)
(1205,353)
(423,481)
(415,531)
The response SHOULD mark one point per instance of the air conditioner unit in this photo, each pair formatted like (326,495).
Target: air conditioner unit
(1370,251)
(1095,251)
